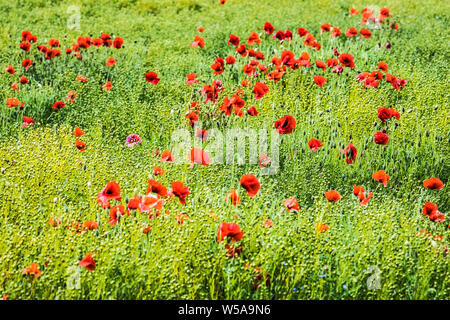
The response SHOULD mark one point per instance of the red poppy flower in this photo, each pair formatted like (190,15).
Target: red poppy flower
(25,46)
(110,62)
(43,48)
(233,197)
(27,63)
(248,69)
(53,43)
(252,111)
(363,200)
(274,75)
(336,32)
(10,69)
(242,50)
(357,190)
(71,96)
(80,145)
(251,184)
(384,12)
(27,121)
(229,230)
(383,114)
(230,60)
(381,138)
(309,40)
(192,117)
(166,156)
(262,68)
(433,183)
(346,60)
(26,35)
(51,53)
(191,79)
(237,101)
(23,80)
(97,42)
(350,153)
(319,80)
(12,102)
(156,187)
(199,156)
(314,144)
(115,213)
(111,191)
(105,36)
(268,28)
(288,35)
(353,11)
(332,63)
(91,225)
(33,271)
(260,90)
(198,41)
(200,29)
(107,86)
(352,32)
(150,202)
(157,171)
(279,35)
(152,77)
(291,204)
(234,40)
(181,191)
(88,262)
(326,27)
(302,32)
(81,78)
(431,210)
(218,66)
(58,105)
(268,223)
(365,33)
(118,42)
(382,66)
(54,223)
(285,125)
(321,65)
(332,196)
(381,176)
(146,229)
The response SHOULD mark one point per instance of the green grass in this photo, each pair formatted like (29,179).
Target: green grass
(42,178)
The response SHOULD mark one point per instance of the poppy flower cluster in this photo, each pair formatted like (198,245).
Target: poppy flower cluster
(77,132)
(430,209)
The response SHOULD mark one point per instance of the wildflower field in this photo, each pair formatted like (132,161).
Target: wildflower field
(100,198)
